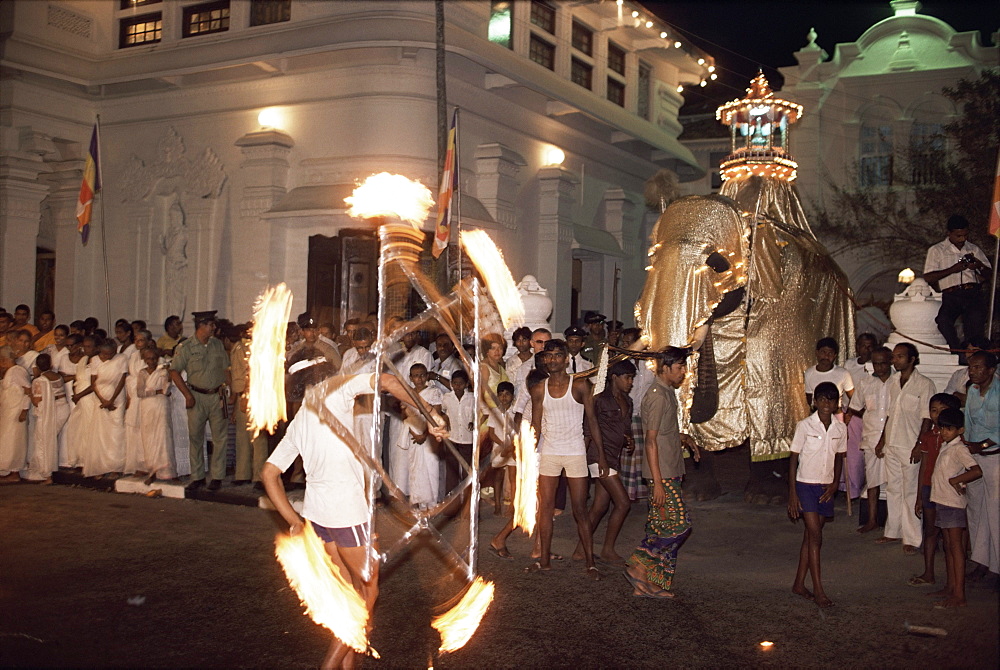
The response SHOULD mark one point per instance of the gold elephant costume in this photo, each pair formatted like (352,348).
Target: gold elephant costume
(795,294)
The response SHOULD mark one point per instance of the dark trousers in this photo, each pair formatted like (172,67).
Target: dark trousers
(967,303)
(453,472)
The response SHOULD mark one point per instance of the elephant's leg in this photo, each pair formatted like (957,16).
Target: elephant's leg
(700,480)
(768,483)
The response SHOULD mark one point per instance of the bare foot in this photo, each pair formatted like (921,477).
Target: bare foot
(822,601)
(943,593)
(950,603)
(578,555)
(867,528)
(886,540)
(537,567)
(921,580)
(803,591)
(909,549)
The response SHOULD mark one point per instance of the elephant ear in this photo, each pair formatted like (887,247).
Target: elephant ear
(765,262)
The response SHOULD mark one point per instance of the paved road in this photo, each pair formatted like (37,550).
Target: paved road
(215,597)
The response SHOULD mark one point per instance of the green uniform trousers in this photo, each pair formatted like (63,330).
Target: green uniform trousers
(207,407)
(249,453)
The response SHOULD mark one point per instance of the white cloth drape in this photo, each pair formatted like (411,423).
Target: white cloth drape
(13,433)
(50,417)
(154,421)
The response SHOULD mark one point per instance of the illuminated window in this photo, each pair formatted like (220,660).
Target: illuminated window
(543,15)
(616,92)
(583,38)
(129,4)
(616,58)
(642,100)
(500,23)
(875,166)
(542,52)
(581,73)
(263,12)
(211,17)
(145,29)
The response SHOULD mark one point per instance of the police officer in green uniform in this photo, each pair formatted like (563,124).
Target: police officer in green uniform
(597,337)
(206,362)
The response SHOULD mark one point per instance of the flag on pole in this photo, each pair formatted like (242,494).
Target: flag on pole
(995,205)
(449,185)
(90,186)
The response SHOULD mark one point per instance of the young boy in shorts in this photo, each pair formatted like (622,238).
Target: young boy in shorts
(815,465)
(929,443)
(954,468)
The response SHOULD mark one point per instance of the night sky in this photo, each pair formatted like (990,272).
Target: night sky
(744,36)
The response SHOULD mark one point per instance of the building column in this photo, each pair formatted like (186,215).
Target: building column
(497,167)
(264,175)
(64,192)
(21,196)
(557,187)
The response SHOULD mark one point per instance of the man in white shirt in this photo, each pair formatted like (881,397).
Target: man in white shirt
(445,364)
(960,269)
(539,337)
(870,402)
(909,415)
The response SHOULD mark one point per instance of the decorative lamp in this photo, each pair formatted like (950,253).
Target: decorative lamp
(759,133)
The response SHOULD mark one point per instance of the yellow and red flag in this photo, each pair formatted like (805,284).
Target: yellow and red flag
(449,186)
(994,227)
(90,186)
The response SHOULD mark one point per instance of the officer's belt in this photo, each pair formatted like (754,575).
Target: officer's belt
(205,391)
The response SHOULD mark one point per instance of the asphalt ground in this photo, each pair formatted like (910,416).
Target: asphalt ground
(206,591)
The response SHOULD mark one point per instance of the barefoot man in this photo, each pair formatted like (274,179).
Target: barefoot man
(651,566)
(559,406)
(336,503)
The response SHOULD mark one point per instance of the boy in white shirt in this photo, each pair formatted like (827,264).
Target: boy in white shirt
(815,465)
(953,469)
(459,407)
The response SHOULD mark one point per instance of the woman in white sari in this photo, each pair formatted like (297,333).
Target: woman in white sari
(153,390)
(107,451)
(14,403)
(134,459)
(48,395)
(80,427)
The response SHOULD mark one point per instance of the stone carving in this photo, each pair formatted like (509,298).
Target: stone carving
(202,177)
(173,245)
(69,21)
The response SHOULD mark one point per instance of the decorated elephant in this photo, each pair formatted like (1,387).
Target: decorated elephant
(741,278)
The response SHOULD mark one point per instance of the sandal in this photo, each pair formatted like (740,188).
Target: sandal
(502,552)
(536,567)
(919,581)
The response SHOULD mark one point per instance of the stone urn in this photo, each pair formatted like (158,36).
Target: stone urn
(537,308)
(912,314)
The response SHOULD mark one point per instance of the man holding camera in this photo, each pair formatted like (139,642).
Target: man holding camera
(959,268)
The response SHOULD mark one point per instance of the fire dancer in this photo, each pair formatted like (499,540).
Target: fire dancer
(558,409)
(336,503)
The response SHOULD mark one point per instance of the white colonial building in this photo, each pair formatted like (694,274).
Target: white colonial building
(232,131)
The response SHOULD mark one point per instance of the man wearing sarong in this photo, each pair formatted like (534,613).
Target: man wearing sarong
(651,567)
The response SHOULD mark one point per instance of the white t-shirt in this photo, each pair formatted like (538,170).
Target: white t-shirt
(872,395)
(858,370)
(335,479)
(836,375)
(944,254)
(957,382)
(953,459)
(908,407)
(460,414)
(445,369)
(817,447)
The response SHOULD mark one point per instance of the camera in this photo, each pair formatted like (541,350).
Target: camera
(968,259)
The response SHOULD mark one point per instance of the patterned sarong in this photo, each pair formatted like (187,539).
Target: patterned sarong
(630,471)
(667,527)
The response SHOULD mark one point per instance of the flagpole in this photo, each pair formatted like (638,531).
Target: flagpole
(993,226)
(104,237)
(457,198)
(993,286)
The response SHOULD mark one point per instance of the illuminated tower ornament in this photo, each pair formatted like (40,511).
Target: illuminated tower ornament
(759,131)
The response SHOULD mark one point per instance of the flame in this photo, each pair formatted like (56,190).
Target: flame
(526,494)
(385,194)
(485,255)
(330,600)
(266,391)
(459,624)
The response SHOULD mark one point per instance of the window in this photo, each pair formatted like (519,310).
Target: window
(145,29)
(927,153)
(583,38)
(543,15)
(875,167)
(581,73)
(616,58)
(211,17)
(542,52)
(129,4)
(616,92)
(500,23)
(642,101)
(263,12)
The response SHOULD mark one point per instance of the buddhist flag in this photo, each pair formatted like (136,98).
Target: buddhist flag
(449,185)
(90,186)
(995,205)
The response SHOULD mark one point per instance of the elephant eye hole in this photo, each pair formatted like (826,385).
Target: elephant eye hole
(717,262)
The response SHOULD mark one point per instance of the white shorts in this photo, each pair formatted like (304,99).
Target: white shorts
(595,470)
(552,465)
(874,469)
